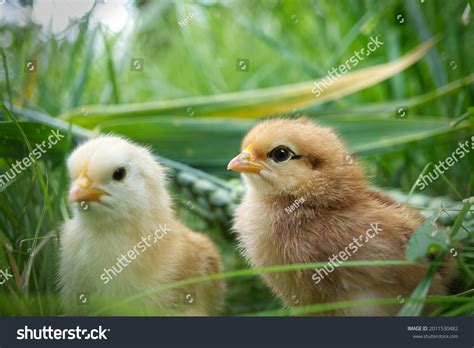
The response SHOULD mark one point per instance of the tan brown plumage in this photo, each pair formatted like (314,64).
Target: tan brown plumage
(334,206)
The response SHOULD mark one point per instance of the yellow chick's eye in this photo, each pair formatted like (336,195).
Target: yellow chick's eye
(119,174)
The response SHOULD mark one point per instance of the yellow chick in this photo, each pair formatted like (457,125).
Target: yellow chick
(307,201)
(124,239)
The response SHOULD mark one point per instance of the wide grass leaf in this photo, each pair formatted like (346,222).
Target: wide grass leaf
(213,142)
(251,104)
(428,237)
(12,143)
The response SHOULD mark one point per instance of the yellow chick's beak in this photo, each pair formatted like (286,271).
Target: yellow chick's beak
(82,190)
(246,162)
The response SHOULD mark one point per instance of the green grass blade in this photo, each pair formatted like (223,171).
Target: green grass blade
(251,104)
(421,291)
(254,272)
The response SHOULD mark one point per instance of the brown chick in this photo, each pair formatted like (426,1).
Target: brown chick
(305,202)
(124,239)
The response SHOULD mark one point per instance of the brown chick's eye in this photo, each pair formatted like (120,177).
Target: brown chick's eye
(119,174)
(282,154)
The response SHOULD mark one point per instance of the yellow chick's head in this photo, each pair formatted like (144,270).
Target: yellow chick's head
(114,180)
(297,158)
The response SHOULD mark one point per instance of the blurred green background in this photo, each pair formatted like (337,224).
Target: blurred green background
(190,77)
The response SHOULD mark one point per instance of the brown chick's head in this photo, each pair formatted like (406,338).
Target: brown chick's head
(114,180)
(297,158)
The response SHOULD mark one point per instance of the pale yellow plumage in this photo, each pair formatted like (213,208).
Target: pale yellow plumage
(121,207)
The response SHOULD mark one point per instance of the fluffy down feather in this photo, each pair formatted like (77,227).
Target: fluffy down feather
(121,207)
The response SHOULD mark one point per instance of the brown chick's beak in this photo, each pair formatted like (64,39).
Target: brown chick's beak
(82,190)
(245,162)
